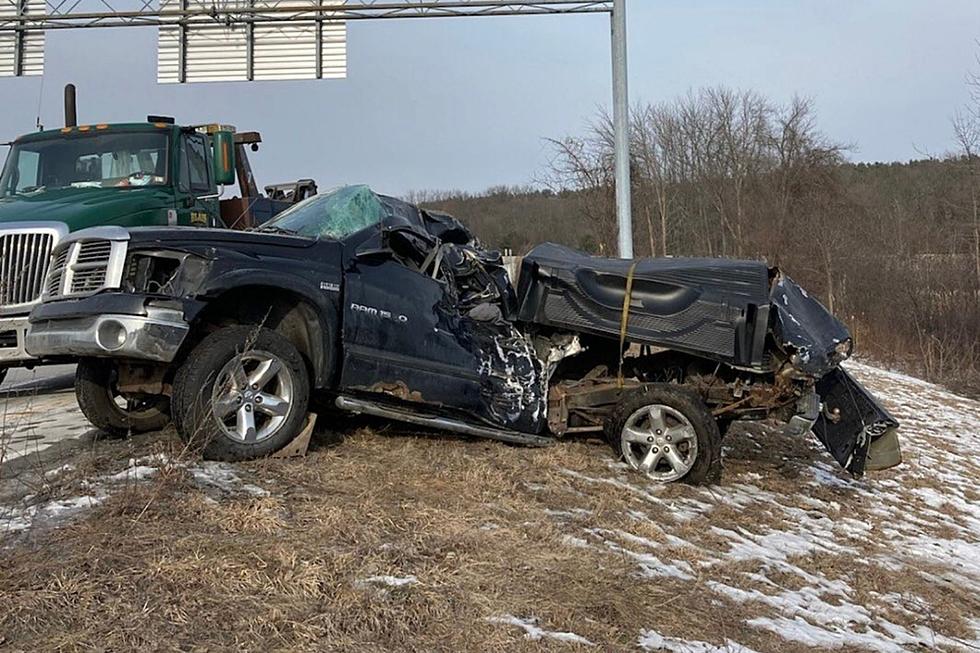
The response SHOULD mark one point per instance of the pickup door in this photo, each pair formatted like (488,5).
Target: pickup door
(404,337)
(400,337)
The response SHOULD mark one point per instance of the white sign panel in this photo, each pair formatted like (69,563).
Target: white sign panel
(22,52)
(268,46)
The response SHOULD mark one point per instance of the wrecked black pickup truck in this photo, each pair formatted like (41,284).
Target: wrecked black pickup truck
(394,311)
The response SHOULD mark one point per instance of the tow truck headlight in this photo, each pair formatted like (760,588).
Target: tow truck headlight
(162,272)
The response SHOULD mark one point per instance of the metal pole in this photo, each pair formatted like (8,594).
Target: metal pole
(621,127)
(19,38)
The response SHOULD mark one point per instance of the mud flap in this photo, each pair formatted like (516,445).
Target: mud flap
(850,421)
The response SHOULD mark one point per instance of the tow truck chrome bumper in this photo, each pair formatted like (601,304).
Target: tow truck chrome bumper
(13,331)
(155,337)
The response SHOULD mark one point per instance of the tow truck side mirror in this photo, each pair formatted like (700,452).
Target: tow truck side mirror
(224,157)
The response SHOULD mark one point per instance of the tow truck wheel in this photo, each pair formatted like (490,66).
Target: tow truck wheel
(668,434)
(242,393)
(107,409)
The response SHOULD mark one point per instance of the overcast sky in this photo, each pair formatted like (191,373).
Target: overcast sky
(466,103)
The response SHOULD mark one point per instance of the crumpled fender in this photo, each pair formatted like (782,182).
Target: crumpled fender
(806,331)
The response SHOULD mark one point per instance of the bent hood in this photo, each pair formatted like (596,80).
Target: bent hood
(191,236)
(87,207)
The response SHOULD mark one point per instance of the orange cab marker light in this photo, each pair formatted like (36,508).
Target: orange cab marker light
(84,128)
(66,130)
(102,126)
(160,125)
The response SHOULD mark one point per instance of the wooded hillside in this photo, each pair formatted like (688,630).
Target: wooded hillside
(893,248)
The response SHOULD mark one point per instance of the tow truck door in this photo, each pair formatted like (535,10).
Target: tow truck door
(197,193)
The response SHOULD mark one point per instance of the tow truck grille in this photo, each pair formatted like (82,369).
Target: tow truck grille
(23,264)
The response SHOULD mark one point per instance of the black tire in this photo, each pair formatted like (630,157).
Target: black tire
(706,468)
(194,392)
(95,390)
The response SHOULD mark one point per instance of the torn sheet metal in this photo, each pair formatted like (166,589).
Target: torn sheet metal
(513,380)
(815,341)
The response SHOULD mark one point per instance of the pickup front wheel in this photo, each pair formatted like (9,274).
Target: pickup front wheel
(242,393)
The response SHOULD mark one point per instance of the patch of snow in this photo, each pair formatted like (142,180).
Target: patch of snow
(16,518)
(921,519)
(132,474)
(577,542)
(389,581)
(615,483)
(533,632)
(567,514)
(651,640)
(224,477)
(58,471)
(650,565)
(19,519)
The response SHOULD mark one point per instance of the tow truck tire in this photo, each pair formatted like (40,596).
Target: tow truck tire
(95,381)
(670,426)
(214,362)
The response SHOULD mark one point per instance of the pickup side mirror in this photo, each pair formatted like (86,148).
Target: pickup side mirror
(224,157)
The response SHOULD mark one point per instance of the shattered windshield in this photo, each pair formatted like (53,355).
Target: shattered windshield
(336,214)
(97,160)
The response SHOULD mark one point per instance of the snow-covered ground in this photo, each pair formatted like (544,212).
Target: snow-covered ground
(805,554)
(829,562)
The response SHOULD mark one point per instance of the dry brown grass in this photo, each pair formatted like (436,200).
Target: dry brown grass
(168,565)
(483,527)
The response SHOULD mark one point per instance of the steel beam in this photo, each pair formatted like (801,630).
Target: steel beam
(201,10)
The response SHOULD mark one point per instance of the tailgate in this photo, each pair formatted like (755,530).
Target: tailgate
(852,423)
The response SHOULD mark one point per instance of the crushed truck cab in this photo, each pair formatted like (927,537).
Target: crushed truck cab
(395,311)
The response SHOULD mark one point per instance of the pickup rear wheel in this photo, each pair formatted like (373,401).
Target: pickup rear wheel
(107,409)
(242,393)
(668,434)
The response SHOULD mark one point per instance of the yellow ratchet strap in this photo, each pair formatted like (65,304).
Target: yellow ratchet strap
(625,319)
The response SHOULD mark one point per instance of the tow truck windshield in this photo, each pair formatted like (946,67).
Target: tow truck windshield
(96,160)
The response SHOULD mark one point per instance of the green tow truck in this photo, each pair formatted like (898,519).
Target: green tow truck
(131,174)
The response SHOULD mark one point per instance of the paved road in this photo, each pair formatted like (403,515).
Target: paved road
(38,410)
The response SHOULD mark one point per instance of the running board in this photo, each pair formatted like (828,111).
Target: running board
(442,423)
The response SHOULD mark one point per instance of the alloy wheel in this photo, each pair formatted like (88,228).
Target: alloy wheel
(660,442)
(252,396)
